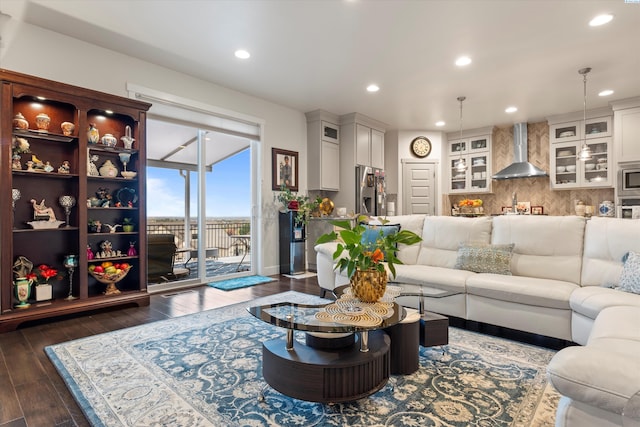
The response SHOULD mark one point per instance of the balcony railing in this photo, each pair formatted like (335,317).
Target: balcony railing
(217,234)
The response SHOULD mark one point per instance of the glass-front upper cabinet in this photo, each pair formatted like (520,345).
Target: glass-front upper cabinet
(598,127)
(569,172)
(476,153)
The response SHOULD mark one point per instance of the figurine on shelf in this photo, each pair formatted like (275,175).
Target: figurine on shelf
(104,198)
(65,167)
(113,228)
(92,168)
(90,254)
(48,167)
(37,163)
(30,166)
(15,163)
(41,211)
(107,250)
(132,250)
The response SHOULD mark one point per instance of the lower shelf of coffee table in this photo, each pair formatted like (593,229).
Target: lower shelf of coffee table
(327,376)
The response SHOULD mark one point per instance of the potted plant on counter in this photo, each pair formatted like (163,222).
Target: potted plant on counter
(298,203)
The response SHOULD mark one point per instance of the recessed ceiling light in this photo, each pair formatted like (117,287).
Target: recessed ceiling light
(440,123)
(373,88)
(242,54)
(606,92)
(601,20)
(511,109)
(462,61)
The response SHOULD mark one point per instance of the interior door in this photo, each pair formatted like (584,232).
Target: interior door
(419,188)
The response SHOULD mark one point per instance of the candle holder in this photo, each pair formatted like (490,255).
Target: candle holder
(70,262)
(67,202)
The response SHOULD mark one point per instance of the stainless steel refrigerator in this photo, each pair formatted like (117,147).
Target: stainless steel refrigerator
(370,191)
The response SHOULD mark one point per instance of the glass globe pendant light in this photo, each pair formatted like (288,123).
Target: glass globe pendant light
(461,165)
(585,151)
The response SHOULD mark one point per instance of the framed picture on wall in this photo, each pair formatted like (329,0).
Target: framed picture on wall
(284,169)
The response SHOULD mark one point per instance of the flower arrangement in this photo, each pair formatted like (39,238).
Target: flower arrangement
(354,252)
(42,274)
(19,146)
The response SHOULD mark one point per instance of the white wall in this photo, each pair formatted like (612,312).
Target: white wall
(32,50)
(403,141)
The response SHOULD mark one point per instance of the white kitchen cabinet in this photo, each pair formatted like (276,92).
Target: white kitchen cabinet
(369,146)
(361,143)
(476,152)
(627,134)
(323,151)
(567,172)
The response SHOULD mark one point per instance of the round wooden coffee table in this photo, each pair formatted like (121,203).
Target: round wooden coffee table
(327,375)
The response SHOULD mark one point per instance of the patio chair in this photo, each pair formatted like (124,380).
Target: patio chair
(161,254)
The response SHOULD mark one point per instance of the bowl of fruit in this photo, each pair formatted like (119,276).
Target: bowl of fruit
(109,273)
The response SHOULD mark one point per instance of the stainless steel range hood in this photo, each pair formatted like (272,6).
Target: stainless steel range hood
(520,168)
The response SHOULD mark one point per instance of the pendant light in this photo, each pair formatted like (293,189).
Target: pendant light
(461,165)
(585,151)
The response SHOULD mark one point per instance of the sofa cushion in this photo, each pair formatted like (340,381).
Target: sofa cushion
(630,277)
(442,236)
(415,223)
(483,258)
(522,290)
(546,247)
(439,277)
(589,301)
(606,242)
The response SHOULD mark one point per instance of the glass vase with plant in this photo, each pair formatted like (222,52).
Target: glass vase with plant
(127,225)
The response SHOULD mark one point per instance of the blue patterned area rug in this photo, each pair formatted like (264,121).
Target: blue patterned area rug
(240,282)
(205,370)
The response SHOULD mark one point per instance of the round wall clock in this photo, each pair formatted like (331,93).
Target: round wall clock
(421,146)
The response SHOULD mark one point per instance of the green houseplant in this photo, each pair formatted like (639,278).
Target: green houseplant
(302,205)
(365,251)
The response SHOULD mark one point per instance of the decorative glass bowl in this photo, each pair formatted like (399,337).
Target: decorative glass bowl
(110,280)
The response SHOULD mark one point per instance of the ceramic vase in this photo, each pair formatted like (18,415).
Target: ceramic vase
(44,292)
(93,135)
(22,291)
(368,285)
(19,122)
(42,122)
(108,169)
(109,140)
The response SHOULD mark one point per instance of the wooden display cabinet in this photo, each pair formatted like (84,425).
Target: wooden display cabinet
(124,198)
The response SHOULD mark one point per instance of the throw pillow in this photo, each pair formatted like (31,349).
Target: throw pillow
(485,258)
(630,276)
(372,233)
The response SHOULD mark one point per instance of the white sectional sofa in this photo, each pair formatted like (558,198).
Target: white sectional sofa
(560,278)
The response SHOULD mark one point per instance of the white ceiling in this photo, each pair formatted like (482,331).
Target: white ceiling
(311,54)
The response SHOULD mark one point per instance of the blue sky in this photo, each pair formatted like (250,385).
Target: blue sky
(228,190)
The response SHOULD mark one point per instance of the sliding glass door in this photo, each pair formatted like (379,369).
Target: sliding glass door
(199,190)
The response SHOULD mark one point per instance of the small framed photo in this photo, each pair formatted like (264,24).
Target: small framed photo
(284,169)
(507,209)
(537,210)
(524,208)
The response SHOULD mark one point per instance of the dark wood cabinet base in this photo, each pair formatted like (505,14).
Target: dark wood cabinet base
(327,376)
(11,320)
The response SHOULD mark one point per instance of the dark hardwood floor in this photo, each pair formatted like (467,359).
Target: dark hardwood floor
(31,391)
